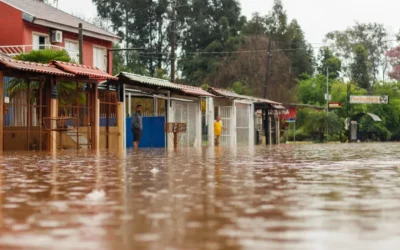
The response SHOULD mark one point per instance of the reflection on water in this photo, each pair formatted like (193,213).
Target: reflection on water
(284,197)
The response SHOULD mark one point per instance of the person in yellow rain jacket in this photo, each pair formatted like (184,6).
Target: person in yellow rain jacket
(218,127)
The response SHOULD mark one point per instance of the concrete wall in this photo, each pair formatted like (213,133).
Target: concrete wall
(18,141)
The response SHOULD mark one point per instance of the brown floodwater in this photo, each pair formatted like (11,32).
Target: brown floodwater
(282,197)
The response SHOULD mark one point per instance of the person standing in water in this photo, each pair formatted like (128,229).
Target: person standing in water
(218,127)
(137,126)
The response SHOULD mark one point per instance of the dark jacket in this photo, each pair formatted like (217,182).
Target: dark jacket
(137,122)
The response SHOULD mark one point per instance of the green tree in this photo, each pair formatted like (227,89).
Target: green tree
(320,121)
(66,89)
(312,90)
(211,29)
(241,89)
(360,68)
(372,36)
(328,60)
(142,24)
(290,38)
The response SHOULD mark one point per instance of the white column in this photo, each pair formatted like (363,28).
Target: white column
(124,116)
(170,118)
(233,116)
(155,103)
(130,105)
(251,124)
(210,114)
(199,125)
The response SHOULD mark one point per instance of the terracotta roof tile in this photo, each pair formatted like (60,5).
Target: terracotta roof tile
(32,67)
(83,70)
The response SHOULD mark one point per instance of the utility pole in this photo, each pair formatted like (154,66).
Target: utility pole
(267,67)
(267,118)
(80,43)
(173,32)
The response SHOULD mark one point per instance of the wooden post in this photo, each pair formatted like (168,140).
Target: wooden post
(95,121)
(29,114)
(77,115)
(175,140)
(120,124)
(41,83)
(1,111)
(80,38)
(53,114)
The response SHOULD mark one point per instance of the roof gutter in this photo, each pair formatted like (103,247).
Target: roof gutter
(71,29)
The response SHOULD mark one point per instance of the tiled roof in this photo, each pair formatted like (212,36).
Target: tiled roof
(46,15)
(47,69)
(83,70)
(151,82)
(230,94)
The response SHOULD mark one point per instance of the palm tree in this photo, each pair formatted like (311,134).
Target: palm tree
(66,89)
(322,121)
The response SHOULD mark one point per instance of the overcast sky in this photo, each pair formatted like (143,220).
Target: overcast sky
(316,17)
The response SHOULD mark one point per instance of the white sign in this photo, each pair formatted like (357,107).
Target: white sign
(357,99)
(7,99)
(330,97)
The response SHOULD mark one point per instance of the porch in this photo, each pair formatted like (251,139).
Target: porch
(46,107)
(163,102)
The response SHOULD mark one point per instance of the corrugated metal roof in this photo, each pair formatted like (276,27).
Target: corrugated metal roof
(83,70)
(32,67)
(149,80)
(194,90)
(49,16)
(160,83)
(230,94)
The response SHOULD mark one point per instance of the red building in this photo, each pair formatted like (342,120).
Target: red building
(31,25)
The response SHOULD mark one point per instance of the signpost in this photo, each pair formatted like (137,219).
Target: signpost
(335,105)
(293,120)
(358,99)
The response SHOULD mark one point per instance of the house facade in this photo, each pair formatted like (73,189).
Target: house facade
(32,25)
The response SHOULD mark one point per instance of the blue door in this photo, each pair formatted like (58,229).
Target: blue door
(153,133)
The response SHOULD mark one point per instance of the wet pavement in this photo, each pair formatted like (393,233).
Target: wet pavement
(282,197)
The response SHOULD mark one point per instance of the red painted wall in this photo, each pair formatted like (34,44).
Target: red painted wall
(15,31)
(11,25)
(88,42)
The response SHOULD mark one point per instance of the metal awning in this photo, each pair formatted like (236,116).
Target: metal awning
(151,84)
(374,117)
(144,94)
(279,107)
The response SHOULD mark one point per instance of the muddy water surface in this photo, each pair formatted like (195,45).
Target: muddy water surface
(284,197)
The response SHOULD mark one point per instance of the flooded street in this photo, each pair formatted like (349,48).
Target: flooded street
(283,197)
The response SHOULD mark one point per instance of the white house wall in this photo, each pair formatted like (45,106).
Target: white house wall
(210,121)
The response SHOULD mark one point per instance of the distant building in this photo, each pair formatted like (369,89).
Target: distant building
(32,25)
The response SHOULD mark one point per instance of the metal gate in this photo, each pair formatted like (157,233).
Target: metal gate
(188,112)
(227,117)
(75,101)
(242,123)
(24,109)
(108,118)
